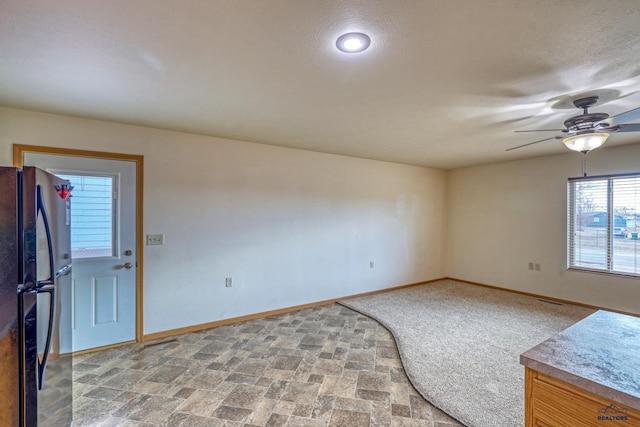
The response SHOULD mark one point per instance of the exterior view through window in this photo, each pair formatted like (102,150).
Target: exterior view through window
(603,224)
(92,216)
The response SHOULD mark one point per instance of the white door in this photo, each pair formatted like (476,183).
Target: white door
(103,248)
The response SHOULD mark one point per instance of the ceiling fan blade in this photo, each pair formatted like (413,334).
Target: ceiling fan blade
(534,142)
(541,130)
(627,116)
(629,127)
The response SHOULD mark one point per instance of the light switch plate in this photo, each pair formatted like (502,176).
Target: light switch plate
(155,239)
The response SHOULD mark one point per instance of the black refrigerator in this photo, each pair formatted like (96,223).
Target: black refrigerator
(35,286)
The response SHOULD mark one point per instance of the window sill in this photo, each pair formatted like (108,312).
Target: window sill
(604,272)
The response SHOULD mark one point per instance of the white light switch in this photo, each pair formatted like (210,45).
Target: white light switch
(155,239)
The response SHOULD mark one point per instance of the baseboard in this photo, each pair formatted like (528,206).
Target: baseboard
(93,350)
(395,288)
(545,297)
(214,324)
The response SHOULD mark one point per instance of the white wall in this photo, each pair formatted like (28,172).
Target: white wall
(289,226)
(503,216)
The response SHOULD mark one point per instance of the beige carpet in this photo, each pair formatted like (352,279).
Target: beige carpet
(460,344)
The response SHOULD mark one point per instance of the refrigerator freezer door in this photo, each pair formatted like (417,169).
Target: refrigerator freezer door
(52,404)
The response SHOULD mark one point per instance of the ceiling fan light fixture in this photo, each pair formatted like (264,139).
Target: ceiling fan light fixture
(353,42)
(586,141)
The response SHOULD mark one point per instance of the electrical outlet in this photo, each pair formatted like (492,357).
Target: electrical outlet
(227,282)
(530,266)
(155,239)
(537,266)
(370,264)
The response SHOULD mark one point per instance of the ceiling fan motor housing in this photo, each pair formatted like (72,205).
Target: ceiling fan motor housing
(586,121)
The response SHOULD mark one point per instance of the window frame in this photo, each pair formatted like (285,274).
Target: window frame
(610,214)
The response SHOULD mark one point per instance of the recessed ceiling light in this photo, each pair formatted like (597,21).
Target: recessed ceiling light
(353,42)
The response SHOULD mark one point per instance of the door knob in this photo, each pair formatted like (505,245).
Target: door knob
(128,265)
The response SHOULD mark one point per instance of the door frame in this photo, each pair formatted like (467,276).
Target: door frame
(18,160)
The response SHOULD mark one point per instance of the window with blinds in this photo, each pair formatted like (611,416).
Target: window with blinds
(92,216)
(603,224)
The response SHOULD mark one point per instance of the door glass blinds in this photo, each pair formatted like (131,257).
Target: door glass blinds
(603,224)
(93,218)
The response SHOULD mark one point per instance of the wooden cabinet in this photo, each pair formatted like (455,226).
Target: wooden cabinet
(550,402)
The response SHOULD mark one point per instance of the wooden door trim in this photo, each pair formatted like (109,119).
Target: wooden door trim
(18,160)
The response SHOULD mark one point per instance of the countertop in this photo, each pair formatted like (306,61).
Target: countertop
(600,354)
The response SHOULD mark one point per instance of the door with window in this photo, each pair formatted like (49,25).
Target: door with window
(103,248)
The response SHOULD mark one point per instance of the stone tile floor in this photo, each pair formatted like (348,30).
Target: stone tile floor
(325,366)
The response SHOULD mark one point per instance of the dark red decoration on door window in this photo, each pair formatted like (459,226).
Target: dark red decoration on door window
(64,191)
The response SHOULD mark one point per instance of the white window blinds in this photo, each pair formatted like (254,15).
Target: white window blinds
(603,224)
(92,216)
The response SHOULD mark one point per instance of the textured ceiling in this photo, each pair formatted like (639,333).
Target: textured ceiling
(444,84)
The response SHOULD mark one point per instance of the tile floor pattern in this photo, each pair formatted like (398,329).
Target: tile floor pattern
(325,366)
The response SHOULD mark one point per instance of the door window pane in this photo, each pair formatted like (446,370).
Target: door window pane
(92,215)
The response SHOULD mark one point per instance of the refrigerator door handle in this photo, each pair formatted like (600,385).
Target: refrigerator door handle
(45,218)
(50,289)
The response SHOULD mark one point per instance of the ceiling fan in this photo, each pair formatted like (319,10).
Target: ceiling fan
(588,131)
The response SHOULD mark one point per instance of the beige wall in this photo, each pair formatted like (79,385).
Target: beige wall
(503,216)
(293,227)
(289,226)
